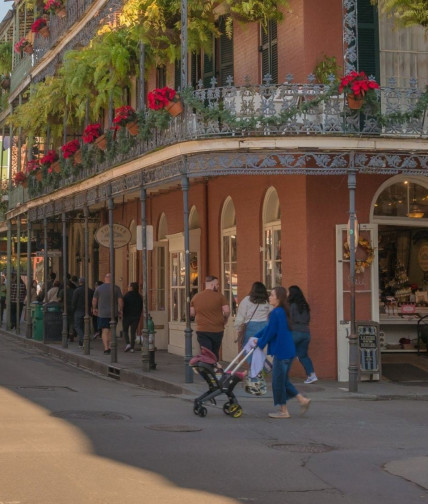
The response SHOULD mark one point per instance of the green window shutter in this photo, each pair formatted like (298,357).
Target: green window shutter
(208,70)
(195,69)
(177,74)
(269,50)
(368,39)
(225,54)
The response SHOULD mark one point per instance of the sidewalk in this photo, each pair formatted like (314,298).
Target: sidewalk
(169,375)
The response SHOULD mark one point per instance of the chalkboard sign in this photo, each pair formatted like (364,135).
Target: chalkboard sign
(369,347)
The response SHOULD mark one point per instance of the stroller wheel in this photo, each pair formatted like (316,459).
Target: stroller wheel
(235,410)
(203,411)
(226,408)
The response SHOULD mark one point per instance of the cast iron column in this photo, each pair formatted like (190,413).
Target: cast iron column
(188,330)
(353,338)
(113,301)
(183,80)
(8,271)
(45,267)
(64,333)
(87,318)
(145,361)
(18,275)
(29,327)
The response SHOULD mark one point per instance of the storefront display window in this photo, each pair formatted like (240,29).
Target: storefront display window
(229,255)
(178,283)
(272,264)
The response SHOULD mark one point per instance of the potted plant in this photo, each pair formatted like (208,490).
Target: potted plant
(33,169)
(127,117)
(5,63)
(20,178)
(23,45)
(358,88)
(40,26)
(70,148)
(325,69)
(166,98)
(55,7)
(93,133)
(48,160)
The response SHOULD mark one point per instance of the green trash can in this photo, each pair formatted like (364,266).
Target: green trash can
(37,319)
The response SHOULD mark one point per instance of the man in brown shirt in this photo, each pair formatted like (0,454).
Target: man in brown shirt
(211,310)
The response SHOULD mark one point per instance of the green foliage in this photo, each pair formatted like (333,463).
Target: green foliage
(326,68)
(405,12)
(5,58)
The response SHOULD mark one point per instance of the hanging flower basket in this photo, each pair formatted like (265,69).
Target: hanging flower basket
(44,32)
(61,13)
(132,127)
(124,115)
(56,7)
(77,157)
(101,142)
(92,133)
(55,167)
(40,25)
(28,49)
(354,102)
(20,178)
(39,175)
(23,45)
(70,148)
(174,108)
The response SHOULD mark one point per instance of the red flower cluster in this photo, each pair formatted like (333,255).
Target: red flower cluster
(19,178)
(50,157)
(357,83)
(52,6)
(124,115)
(70,148)
(159,98)
(38,25)
(19,46)
(91,133)
(32,165)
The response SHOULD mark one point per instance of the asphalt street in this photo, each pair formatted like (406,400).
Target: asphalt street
(72,436)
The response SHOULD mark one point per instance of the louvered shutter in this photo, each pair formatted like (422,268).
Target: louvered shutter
(226,53)
(368,38)
(269,50)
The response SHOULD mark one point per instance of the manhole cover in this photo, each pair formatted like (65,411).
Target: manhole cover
(90,415)
(173,428)
(303,448)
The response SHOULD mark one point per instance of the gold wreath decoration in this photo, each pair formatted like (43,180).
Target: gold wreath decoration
(360,264)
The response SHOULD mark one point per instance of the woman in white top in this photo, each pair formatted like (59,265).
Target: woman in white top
(254,311)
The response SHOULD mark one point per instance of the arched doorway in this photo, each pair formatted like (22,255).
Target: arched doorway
(272,266)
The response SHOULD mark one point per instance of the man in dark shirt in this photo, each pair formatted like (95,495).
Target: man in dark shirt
(17,296)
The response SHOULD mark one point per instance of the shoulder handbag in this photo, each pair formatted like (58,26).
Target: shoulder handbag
(240,332)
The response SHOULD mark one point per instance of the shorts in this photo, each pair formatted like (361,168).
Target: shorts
(104,322)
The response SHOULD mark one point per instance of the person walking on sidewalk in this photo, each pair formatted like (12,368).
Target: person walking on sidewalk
(212,311)
(132,309)
(78,308)
(300,318)
(277,335)
(101,306)
(18,292)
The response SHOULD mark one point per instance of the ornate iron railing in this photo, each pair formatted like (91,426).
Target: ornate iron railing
(259,111)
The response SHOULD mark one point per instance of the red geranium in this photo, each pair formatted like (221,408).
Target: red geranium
(52,6)
(38,25)
(91,133)
(357,83)
(50,157)
(159,98)
(70,148)
(32,165)
(19,46)
(19,178)
(124,115)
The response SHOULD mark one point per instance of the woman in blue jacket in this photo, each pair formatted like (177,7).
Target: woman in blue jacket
(277,335)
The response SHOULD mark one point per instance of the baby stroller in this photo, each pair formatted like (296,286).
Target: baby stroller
(219,381)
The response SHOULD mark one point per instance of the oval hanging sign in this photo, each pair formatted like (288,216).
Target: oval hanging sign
(423,257)
(121,236)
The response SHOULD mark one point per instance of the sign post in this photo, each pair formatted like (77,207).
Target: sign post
(369,348)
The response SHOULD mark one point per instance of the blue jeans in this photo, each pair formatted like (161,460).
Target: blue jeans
(253,327)
(301,340)
(282,388)
(79,324)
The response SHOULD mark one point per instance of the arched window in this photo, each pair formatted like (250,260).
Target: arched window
(159,265)
(404,198)
(229,254)
(272,266)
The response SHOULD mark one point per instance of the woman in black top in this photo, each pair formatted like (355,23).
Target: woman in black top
(300,318)
(132,309)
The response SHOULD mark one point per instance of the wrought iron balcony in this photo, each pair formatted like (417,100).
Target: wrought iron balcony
(265,110)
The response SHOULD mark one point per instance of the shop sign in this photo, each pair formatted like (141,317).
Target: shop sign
(121,236)
(423,257)
(369,347)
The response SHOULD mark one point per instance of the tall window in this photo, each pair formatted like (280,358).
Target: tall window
(269,50)
(272,265)
(229,254)
(158,293)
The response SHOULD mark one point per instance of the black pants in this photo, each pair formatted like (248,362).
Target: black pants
(210,340)
(13,307)
(130,323)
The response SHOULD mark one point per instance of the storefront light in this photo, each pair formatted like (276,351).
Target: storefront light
(415,212)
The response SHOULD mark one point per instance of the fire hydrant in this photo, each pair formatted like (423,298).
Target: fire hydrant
(151,331)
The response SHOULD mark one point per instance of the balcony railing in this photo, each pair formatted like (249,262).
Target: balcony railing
(264,110)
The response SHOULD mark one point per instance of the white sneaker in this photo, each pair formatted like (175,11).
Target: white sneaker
(311,379)
(127,348)
(132,350)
